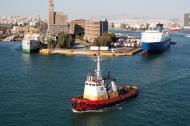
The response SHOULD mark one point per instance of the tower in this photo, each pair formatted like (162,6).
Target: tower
(50,12)
(187,20)
(57,21)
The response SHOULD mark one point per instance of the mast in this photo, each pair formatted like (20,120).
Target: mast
(98,70)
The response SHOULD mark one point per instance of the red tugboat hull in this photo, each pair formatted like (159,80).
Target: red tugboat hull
(81,105)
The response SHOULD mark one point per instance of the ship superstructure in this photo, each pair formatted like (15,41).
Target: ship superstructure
(96,88)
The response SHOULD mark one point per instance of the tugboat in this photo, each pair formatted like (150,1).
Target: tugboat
(99,94)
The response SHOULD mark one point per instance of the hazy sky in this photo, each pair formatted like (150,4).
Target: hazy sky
(95,8)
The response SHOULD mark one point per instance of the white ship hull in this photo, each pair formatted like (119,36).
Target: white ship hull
(30,46)
(155,41)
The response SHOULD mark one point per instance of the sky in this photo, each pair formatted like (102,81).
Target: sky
(75,9)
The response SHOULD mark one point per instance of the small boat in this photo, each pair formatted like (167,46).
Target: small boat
(173,42)
(99,94)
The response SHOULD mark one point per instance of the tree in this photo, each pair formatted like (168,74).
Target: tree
(104,40)
(49,43)
(61,40)
(69,41)
(65,40)
(80,37)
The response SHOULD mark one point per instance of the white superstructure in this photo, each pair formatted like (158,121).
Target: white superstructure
(95,86)
(154,36)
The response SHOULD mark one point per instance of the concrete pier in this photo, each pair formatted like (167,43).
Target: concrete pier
(129,52)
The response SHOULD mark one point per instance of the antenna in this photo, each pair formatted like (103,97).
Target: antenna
(98,69)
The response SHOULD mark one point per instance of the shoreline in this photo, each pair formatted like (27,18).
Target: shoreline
(10,41)
(126,30)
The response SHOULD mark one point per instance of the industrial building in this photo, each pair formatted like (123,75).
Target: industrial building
(57,21)
(187,20)
(88,28)
(77,27)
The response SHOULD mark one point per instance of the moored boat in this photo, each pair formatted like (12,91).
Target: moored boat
(99,94)
(31,43)
(175,28)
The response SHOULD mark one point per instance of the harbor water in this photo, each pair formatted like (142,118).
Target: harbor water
(35,90)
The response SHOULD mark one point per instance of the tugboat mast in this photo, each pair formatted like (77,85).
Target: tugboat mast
(98,70)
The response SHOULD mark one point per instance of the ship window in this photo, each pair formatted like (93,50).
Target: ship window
(86,83)
(93,84)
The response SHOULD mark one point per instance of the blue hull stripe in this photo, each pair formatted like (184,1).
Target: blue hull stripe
(156,46)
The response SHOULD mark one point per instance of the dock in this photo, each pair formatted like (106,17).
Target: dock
(129,52)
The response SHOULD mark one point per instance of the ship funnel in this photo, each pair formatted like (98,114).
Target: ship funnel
(159,27)
(114,87)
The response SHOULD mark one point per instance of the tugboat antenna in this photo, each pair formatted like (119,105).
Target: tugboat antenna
(98,70)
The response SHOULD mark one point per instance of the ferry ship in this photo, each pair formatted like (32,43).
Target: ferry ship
(101,93)
(31,43)
(155,41)
(175,28)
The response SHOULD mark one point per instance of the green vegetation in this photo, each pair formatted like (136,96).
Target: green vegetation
(50,43)
(105,40)
(80,37)
(61,40)
(65,41)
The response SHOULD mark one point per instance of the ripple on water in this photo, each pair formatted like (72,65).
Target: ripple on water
(35,90)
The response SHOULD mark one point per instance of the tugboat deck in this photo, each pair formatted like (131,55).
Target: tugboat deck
(124,91)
